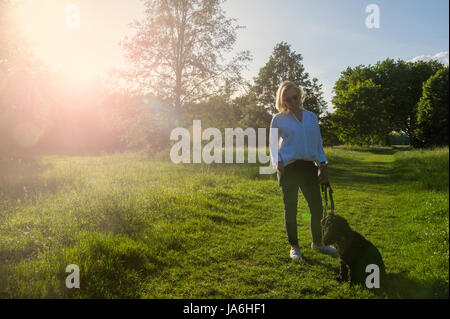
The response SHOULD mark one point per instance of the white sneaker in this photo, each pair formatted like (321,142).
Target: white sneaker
(327,250)
(295,254)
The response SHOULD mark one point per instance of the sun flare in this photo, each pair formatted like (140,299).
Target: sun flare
(63,39)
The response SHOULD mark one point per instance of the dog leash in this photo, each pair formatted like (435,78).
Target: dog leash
(326,187)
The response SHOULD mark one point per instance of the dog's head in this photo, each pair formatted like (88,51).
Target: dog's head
(334,227)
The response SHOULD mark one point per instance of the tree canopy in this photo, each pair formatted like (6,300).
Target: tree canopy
(396,88)
(433,111)
(178,52)
(285,64)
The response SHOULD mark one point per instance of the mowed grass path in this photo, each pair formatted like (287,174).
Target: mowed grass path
(146,228)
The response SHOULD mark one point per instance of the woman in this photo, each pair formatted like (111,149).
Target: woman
(301,163)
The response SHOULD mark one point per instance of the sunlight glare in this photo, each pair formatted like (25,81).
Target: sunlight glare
(62,38)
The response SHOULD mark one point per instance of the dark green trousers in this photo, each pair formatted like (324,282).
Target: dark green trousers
(301,174)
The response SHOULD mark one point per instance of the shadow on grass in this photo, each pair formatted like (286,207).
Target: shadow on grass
(354,172)
(381,150)
(424,173)
(399,285)
(314,262)
(402,147)
(13,167)
(20,178)
(343,169)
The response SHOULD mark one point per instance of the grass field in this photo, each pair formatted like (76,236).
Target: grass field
(142,227)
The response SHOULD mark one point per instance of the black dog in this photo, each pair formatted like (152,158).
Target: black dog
(355,252)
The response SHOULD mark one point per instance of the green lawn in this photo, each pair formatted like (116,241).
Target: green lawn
(147,228)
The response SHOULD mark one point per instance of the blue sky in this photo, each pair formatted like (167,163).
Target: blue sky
(330,34)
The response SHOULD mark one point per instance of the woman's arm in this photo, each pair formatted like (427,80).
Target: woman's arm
(274,140)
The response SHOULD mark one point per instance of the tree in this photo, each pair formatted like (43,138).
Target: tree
(393,77)
(420,72)
(360,117)
(432,111)
(218,112)
(328,132)
(143,123)
(285,64)
(253,114)
(177,52)
(21,122)
(400,85)
(222,111)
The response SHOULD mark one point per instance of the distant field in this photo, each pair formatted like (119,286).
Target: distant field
(142,227)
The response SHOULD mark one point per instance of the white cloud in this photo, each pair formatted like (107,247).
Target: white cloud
(441,57)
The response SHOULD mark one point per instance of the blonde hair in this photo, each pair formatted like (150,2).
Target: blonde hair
(279,101)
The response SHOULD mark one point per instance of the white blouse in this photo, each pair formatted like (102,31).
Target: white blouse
(299,140)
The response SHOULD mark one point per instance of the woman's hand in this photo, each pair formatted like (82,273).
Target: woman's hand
(280,168)
(323,175)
